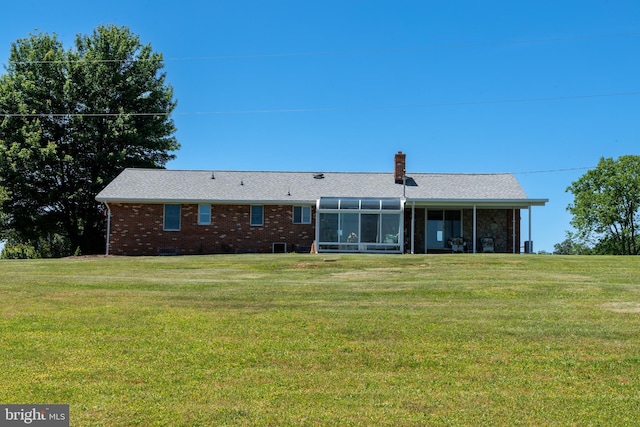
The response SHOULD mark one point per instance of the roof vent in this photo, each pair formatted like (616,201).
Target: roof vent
(318,176)
(213,176)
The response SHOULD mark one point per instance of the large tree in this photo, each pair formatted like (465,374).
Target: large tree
(606,207)
(71,120)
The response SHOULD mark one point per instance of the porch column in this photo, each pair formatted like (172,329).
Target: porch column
(530,245)
(475,237)
(413,227)
(513,231)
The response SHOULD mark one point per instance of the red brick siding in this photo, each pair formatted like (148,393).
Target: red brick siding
(137,229)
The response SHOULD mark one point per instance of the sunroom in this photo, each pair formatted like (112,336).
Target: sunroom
(359,225)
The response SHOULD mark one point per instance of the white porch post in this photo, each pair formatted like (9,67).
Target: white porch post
(475,237)
(530,245)
(513,231)
(413,227)
(317,235)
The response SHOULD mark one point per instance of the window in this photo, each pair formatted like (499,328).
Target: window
(257,214)
(171,218)
(302,215)
(204,214)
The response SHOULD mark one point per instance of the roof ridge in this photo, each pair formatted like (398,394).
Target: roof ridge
(319,171)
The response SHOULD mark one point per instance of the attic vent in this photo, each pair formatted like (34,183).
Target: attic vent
(318,176)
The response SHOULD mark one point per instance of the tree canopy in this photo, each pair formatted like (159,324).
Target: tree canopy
(70,121)
(606,206)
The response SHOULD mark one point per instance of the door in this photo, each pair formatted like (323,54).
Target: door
(435,229)
(442,225)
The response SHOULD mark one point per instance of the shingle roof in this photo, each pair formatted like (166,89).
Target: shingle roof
(161,185)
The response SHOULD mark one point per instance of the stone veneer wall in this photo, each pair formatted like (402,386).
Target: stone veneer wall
(496,223)
(137,229)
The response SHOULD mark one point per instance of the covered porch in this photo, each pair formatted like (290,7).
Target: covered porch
(447,226)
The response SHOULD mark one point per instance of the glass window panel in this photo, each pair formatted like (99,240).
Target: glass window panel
(435,229)
(390,224)
(172,217)
(452,224)
(348,232)
(370,204)
(452,215)
(204,214)
(328,228)
(389,204)
(435,215)
(257,215)
(369,228)
(306,215)
(349,204)
(328,203)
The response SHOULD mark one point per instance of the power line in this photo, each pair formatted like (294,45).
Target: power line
(328,109)
(411,106)
(407,49)
(356,51)
(553,170)
(63,115)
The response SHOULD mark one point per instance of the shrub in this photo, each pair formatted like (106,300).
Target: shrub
(19,251)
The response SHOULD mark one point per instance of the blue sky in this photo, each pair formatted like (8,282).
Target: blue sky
(542,89)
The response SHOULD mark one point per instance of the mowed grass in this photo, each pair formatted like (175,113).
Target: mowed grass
(266,340)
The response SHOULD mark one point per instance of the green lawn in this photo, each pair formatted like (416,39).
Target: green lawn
(325,339)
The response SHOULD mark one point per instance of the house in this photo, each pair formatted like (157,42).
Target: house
(158,211)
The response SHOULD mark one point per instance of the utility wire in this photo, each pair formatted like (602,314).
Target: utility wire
(553,170)
(328,109)
(407,49)
(355,51)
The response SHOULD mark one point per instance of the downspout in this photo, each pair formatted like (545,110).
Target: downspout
(108,227)
(404,185)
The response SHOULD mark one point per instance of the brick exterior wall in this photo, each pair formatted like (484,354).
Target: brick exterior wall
(137,229)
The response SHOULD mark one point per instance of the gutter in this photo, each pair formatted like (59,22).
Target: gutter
(481,202)
(210,201)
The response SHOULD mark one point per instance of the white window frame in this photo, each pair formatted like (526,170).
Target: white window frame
(204,218)
(164,219)
(302,209)
(261,216)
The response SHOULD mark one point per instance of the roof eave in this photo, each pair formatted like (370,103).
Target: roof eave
(511,203)
(211,201)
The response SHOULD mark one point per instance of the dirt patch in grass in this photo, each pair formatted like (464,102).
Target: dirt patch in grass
(622,307)
(305,265)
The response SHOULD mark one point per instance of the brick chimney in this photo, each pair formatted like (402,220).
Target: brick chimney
(400,162)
